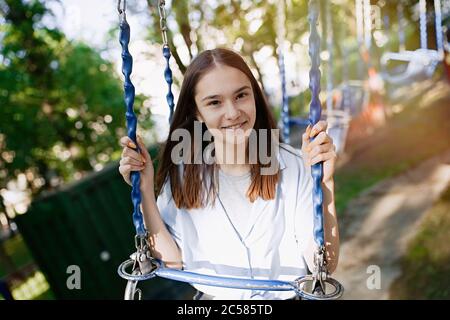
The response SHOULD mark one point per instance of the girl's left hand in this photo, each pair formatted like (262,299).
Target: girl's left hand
(320,149)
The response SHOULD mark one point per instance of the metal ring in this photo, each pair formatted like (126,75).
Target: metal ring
(226,282)
(133,276)
(336,294)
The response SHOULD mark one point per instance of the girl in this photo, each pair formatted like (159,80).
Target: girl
(244,214)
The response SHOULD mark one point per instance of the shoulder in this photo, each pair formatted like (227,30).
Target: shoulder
(292,163)
(288,149)
(165,194)
(290,155)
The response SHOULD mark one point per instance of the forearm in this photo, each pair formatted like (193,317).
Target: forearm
(162,244)
(330,223)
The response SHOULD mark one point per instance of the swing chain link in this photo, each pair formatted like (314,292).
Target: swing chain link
(142,256)
(320,273)
(140,242)
(122,7)
(317,281)
(144,266)
(163,21)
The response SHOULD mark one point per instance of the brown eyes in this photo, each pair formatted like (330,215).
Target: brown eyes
(217,102)
(242,95)
(213,103)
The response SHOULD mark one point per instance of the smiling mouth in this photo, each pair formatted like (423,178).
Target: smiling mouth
(235,126)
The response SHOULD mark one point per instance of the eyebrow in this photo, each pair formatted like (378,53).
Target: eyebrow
(216,96)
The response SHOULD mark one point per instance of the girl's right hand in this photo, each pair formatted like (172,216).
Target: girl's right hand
(131,160)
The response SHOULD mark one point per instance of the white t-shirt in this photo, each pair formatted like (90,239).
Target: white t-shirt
(232,197)
(269,246)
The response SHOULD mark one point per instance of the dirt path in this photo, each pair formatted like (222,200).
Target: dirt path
(379,223)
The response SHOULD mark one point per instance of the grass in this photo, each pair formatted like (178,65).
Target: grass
(18,251)
(35,286)
(421,131)
(426,265)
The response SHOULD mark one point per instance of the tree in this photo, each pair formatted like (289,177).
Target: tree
(250,23)
(62,108)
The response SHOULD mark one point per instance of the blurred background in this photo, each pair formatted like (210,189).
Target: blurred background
(385,93)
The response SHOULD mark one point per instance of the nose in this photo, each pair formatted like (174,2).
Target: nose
(232,112)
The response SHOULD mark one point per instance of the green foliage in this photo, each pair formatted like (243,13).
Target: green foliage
(372,159)
(250,26)
(20,255)
(61,103)
(426,265)
(62,108)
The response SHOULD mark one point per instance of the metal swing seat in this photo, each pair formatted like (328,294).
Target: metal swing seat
(354,96)
(338,123)
(421,63)
(142,266)
(351,95)
(338,120)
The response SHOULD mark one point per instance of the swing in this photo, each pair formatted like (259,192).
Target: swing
(338,119)
(421,63)
(354,96)
(142,266)
(355,93)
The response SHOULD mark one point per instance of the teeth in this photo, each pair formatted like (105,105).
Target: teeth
(235,126)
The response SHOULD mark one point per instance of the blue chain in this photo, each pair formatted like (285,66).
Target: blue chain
(401,29)
(346,90)
(169,80)
(285,102)
(329,38)
(423,24)
(438,26)
(127,67)
(315,110)
(166,54)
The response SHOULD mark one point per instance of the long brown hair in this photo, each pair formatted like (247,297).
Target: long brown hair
(191,188)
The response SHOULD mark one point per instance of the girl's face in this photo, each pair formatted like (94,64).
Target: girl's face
(225,103)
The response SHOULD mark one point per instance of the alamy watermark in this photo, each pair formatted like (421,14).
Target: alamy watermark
(248,146)
(373,282)
(74,280)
